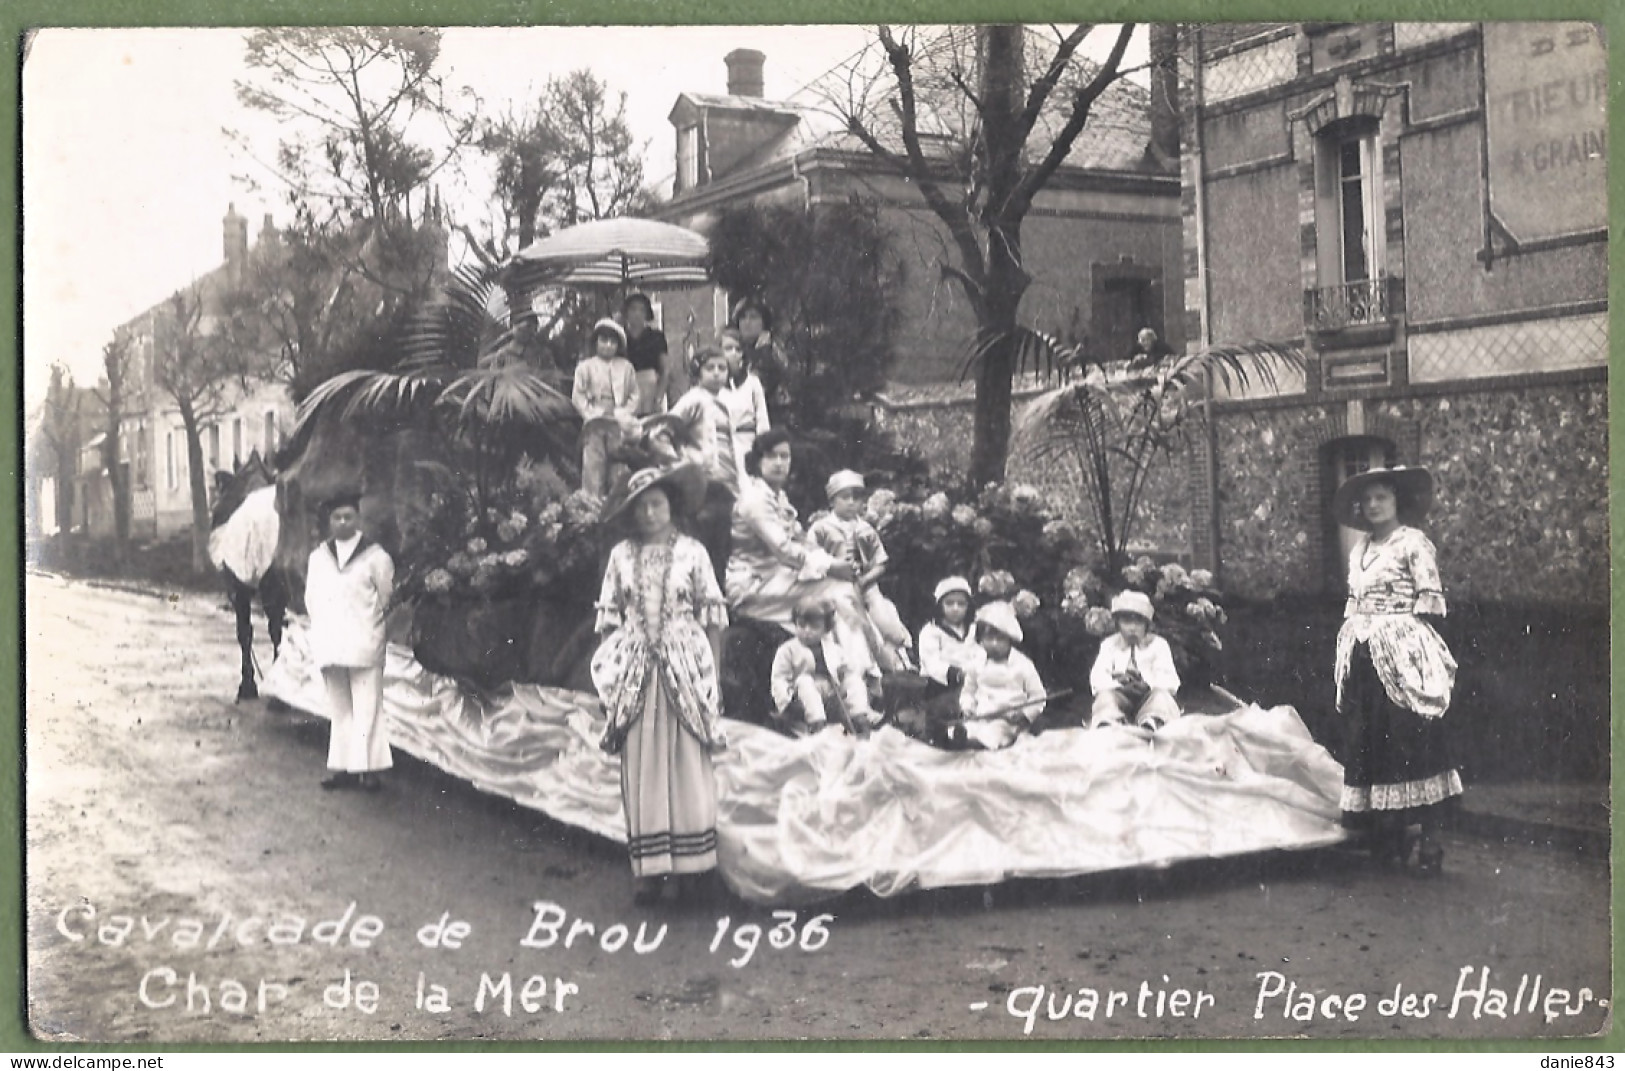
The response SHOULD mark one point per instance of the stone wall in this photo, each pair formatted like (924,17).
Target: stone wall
(937,425)
(1520,507)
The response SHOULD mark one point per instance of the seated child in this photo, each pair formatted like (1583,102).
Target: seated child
(605,394)
(812,685)
(846,536)
(947,646)
(1134,679)
(1002,695)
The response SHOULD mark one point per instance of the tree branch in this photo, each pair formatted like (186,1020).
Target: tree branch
(1082,101)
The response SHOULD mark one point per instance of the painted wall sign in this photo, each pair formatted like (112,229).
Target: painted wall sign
(1546,92)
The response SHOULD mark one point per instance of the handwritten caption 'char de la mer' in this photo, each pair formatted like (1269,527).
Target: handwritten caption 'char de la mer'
(163,987)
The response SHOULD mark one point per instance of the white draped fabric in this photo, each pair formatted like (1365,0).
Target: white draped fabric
(246,543)
(801,820)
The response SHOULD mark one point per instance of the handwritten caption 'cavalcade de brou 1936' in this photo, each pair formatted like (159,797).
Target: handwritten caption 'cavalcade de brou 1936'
(552,927)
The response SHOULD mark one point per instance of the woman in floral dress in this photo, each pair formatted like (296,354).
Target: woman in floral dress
(662,615)
(1394,672)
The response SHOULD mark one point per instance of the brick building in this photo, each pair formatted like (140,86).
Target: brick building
(1422,208)
(1102,241)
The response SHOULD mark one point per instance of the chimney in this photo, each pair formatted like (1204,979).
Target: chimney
(744,72)
(267,230)
(235,229)
(1164,55)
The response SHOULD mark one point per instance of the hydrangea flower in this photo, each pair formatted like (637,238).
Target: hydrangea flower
(439,581)
(1201,579)
(881,505)
(983,528)
(936,507)
(1024,496)
(518,520)
(476,545)
(1025,603)
(506,532)
(515,559)
(460,564)
(964,516)
(996,584)
(1133,575)
(1098,621)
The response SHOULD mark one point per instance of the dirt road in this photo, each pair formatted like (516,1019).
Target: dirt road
(187,881)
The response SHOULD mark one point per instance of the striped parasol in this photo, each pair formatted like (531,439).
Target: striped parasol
(613,252)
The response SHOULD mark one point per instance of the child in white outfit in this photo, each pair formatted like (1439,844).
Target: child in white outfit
(812,685)
(605,394)
(846,536)
(1003,694)
(1134,678)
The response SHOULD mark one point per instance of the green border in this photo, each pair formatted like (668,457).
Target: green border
(20,14)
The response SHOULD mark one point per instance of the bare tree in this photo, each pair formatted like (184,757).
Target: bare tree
(60,436)
(979,119)
(364,127)
(195,368)
(113,394)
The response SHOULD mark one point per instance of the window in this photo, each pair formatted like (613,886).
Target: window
(1124,306)
(214,447)
(688,158)
(236,443)
(1349,220)
(172,478)
(141,457)
(270,434)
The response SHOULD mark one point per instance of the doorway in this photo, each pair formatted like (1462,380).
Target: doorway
(1344,458)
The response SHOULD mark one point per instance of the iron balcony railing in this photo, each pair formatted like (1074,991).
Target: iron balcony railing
(1367,301)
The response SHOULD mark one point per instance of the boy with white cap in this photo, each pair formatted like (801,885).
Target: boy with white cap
(1003,694)
(846,536)
(605,394)
(1134,679)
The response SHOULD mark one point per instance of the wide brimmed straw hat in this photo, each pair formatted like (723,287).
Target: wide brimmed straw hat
(1412,486)
(684,483)
(949,585)
(1001,617)
(844,480)
(1132,602)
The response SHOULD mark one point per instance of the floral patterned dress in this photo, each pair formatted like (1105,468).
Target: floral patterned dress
(1394,678)
(656,676)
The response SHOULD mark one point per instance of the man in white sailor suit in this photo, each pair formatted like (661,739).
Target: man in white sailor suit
(347,590)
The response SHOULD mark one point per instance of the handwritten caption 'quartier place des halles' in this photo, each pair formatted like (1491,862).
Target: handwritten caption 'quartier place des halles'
(1479,993)
(164,988)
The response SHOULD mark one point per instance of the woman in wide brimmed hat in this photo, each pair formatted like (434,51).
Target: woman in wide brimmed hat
(1394,673)
(662,616)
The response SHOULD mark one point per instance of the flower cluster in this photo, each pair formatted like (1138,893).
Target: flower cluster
(533,534)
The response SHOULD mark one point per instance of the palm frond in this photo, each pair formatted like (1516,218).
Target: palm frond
(1029,349)
(457,328)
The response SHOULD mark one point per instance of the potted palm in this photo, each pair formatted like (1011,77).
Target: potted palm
(492,538)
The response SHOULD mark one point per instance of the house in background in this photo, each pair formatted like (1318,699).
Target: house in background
(1102,241)
(1422,208)
(251,418)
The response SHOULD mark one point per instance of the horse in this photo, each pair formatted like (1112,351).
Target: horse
(245,529)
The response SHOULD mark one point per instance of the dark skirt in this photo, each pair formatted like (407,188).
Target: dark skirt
(1393,758)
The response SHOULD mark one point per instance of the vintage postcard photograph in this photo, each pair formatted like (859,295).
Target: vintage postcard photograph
(917,533)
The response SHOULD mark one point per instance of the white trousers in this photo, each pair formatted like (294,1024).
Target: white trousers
(356,742)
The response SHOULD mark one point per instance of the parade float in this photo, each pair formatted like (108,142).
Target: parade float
(466,451)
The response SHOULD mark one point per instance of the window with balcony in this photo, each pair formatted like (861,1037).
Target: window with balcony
(1349,255)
